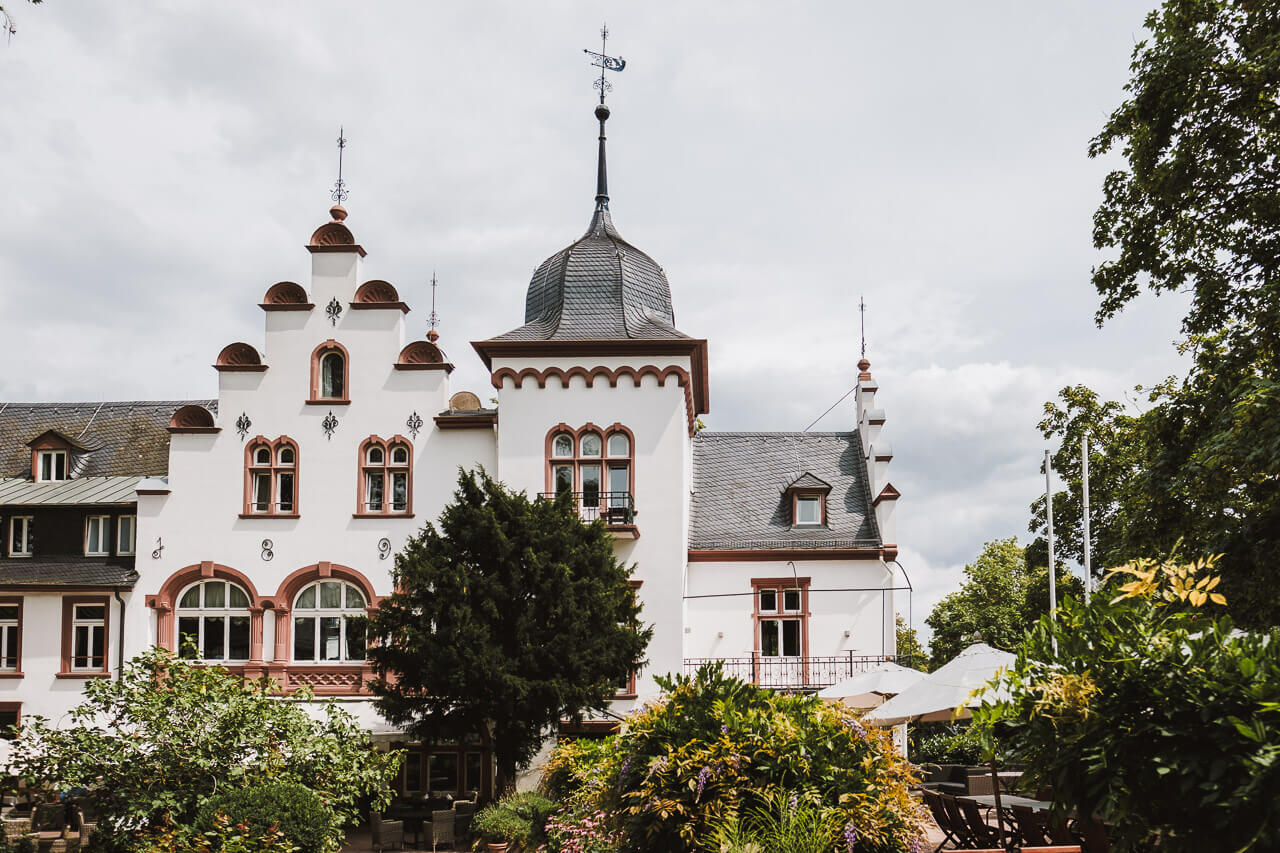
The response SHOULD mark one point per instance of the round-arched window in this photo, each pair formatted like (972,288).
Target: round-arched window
(619,445)
(262,456)
(591,444)
(562,445)
(329,620)
(374,456)
(399,455)
(213,621)
(332,375)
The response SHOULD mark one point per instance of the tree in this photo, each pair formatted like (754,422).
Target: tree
(910,652)
(1000,599)
(154,744)
(511,617)
(6,20)
(1147,709)
(1198,210)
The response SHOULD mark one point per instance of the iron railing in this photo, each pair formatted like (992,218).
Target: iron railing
(615,508)
(793,673)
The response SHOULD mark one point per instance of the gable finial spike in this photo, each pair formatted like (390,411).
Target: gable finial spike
(339,192)
(862,309)
(434,319)
(605,63)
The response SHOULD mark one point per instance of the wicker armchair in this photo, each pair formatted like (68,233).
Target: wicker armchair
(386,834)
(442,829)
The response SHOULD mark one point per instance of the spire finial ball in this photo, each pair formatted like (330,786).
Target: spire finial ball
(433,336)
(602,112)
(863,364)
(338,212)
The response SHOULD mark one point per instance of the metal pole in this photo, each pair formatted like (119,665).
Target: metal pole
(1084,470)
(1048,513)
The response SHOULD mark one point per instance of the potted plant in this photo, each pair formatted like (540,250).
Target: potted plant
(498,829)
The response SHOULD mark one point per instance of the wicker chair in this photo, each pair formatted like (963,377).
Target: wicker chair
(386,834)
(463,811)
(442,829)
(48,820)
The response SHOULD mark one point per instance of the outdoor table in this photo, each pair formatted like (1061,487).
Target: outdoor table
(1007,801)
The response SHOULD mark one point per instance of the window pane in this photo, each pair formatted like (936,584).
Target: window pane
(239,638)
(80,647)
(791,638)
(375,456)
(8,611)
(125,545)
(238,597)
(286,456)
(590,485)
(619,482)
(262,492)
(215,634)
(808,511)
(331,367)
(591,444)
(373,491)
(400,492)
(90,612)
(304,638)
(284,491)
(59,466)
(262,456)
(768,601)
(400,455)
(619,445)
(330,594)
(97,652)
(188,635)
(444,771)
(355,598)
(307,600)
(215,594)
(191,598)
(791,599)
(355,637)
(475,772)
(769,638)
(94,541)
(562,446)
(564,478)
(330,638)
(10,647)
(8,725)
(413,772)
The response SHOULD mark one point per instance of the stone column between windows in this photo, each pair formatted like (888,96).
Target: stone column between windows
(255,634)
(164,627)
(282,635)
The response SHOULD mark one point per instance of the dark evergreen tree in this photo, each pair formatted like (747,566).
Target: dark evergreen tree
(512,616)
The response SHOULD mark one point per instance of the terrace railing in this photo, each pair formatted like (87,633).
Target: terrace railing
(799,674)
(615,508)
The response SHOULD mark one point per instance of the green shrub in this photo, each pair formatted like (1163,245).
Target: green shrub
(784,822)
(295,810)
(570,764)
(955,744)
(221,837)
(1152,715)
(717,748)
(496,824)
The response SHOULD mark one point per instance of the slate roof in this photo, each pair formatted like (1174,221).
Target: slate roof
(126,439)
(21,491)
(739,485)
(600,287)
(73,571)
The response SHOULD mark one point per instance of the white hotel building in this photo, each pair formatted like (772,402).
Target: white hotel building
(258,523)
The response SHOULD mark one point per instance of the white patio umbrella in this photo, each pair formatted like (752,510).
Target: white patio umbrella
(871,687)
(938,695)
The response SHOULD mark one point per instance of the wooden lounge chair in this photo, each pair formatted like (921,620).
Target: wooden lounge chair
(442,829)
(933,800)
(959,826)
(984,834)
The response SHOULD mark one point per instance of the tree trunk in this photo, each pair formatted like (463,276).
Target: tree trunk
(505,782)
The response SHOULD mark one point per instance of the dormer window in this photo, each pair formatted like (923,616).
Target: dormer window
(51,466)
(807,495)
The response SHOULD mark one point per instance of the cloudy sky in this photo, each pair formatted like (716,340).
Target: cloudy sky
(165,162)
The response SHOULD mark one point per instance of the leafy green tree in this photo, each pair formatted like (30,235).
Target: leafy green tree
(169,733)
(1154,714)
(509,618)
(1197,210)
(999,600)
(910,652)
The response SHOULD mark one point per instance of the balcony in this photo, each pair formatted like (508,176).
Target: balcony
(616,509)
(793,674)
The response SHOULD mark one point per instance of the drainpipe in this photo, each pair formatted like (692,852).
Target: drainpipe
(120,632)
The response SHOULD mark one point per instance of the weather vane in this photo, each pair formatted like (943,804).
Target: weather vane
(339,193)
(605,63)
(434,319)
(862,309)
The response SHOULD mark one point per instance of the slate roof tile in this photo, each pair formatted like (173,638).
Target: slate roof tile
(68,571)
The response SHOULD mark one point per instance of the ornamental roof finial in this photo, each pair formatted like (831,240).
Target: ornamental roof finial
(605,63)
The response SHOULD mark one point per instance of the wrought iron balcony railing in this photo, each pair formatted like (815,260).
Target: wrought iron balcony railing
(793,673)
(615,508)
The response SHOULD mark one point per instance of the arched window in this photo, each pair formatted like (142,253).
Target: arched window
(329,619)
(596,465)
(213,621)
(271,477)
(330,374)
(386,477)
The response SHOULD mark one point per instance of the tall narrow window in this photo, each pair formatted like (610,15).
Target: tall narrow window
(10,635)
(88,637)
(597,467)
(21,536)
(97,536)
(271,478)
(330,374)
(51,466)
(126,535)
(781,617)
(213,622)
(386,477)
(329,619)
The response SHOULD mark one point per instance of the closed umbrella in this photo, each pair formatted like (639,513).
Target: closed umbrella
(871,687)
(939,694)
